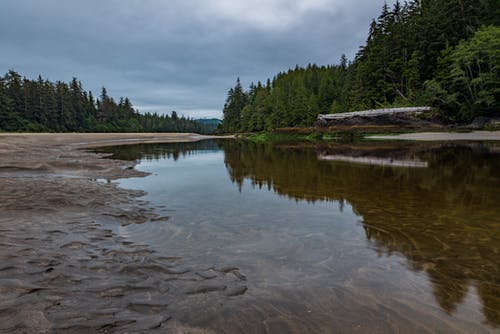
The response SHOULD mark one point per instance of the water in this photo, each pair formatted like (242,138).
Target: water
(367,237)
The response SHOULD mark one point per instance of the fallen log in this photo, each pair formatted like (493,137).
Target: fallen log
(373,113)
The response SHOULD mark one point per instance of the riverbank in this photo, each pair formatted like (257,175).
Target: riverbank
(65,266)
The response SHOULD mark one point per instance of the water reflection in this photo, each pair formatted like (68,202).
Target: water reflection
(151,152)
(444,219)
(434,205)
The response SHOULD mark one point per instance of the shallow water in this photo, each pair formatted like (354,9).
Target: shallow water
(368,237)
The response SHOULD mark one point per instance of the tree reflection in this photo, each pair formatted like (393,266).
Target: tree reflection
(157,151)
(444,218)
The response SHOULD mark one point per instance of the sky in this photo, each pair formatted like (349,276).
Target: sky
(179,55)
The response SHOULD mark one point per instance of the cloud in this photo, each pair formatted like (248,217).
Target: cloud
(179,54)
(267,14)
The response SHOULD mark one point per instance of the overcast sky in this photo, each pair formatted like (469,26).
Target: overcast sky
(176,54)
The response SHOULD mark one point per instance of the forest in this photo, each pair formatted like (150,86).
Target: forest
(429,52)
(40,105)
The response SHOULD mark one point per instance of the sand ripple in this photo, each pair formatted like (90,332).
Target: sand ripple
(64,268)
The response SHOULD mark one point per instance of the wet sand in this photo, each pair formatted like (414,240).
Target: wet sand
(442,136)
(64,267)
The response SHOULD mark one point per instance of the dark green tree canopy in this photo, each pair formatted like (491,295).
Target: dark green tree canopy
(40,105)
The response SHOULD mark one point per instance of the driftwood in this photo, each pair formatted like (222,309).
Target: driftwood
(373,113)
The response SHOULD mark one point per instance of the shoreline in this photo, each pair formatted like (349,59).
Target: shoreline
(65,266)
(70,155)
(90,140)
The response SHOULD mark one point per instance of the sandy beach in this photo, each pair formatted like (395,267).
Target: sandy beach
(64,266)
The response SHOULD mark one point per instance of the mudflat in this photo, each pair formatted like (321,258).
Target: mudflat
(64,267)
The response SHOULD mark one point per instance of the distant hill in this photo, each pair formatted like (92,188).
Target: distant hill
(209,124)
(209,121)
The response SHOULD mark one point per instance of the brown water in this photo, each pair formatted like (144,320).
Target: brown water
(369,237)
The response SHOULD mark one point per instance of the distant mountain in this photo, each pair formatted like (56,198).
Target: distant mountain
(209,124)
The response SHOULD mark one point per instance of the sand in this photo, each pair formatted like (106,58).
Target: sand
(63,265)
(443,136)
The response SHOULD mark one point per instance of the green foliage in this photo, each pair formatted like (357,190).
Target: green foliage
(467,83)
(446,23)
(264,137)
(40,105)
(292,136)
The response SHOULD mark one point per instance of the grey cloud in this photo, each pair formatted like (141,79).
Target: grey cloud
(176,55)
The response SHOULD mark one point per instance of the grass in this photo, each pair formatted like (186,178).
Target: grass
(292,136)
(343,133)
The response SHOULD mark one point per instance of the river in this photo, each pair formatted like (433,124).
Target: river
(355,237)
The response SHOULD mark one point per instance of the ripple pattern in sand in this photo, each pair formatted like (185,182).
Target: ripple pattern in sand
(63,270)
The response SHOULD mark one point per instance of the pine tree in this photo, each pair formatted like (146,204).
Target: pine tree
(235,102)
(9,119)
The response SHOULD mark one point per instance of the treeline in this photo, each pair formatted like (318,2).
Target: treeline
(432,52)
(41,105)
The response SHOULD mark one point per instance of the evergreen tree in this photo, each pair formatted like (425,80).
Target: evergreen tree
(468,80)
(9,119)
(235,102)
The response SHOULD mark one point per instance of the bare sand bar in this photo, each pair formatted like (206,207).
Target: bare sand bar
(63,265)
(442,136)
(36,154)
